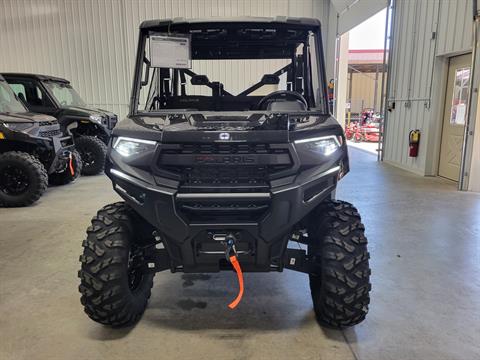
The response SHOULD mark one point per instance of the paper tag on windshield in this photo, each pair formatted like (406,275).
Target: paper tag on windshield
(170,51)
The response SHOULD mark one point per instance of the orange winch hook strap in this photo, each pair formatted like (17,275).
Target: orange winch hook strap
(70,165)
(238,270)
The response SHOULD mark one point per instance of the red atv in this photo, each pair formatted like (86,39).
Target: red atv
(367,128)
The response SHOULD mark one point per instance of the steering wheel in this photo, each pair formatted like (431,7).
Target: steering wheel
(281,95)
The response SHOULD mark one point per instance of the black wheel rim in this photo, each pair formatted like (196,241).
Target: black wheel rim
(88,158)
(135,274)
(14,180)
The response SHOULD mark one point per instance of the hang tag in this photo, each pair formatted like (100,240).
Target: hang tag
(170,51)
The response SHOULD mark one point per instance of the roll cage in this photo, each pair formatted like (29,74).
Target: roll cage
(234,40)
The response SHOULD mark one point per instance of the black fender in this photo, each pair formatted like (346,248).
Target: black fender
(83,126)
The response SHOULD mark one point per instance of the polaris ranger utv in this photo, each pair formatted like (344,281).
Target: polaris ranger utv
(215,177)
(33,152)
(54,96)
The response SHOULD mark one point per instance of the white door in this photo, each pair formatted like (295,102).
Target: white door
(456,104)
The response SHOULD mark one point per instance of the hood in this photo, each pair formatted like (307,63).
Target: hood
(217,127)
(86,111)
(106,112)
(36,125)
(26,117)
(81,110)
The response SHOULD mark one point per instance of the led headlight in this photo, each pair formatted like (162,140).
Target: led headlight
(325,145)
(97,119)
(128,146)
(19,126)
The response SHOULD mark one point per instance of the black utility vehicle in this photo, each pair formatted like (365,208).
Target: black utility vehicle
(219,178)
(91,128)
(33,152)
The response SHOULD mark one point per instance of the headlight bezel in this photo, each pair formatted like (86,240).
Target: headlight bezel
(97,119)
(325,145)
(132,146)
(23,126)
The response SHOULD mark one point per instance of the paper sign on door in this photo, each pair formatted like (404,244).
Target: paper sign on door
(460,114)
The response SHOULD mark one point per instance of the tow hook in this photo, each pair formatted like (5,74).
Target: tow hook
(230,244)
(70,164)
(231,256)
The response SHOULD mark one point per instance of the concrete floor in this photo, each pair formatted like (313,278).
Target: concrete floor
(370,147)
(425,246)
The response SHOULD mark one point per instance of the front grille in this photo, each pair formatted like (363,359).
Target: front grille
(236,168)
(222,148)
(229,210)
(49,133)
(224,167)
(48,123)
(230,178)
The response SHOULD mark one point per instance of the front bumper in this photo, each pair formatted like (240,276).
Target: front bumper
(53,152)
(262,238)
(61,147)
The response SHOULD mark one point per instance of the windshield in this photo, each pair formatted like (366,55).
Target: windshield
(233,69)
(9,103)
(64,94)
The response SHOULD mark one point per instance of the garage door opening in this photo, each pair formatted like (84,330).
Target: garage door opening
(365,80)
(363,113)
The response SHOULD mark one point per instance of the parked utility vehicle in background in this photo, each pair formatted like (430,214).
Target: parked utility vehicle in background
(365,128)
(32,152)
(91,128)
(216,177)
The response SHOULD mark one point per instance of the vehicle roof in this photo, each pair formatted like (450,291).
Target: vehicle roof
(36,76)
(282,21)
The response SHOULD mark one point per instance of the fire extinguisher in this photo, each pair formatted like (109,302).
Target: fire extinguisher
(413,142)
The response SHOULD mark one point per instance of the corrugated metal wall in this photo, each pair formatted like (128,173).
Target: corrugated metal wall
(414,87)
(353,12)
(78,40)
(455,32)
(363,91)
(93,42)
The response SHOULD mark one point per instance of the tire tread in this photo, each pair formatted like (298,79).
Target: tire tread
(340,292)
(40,174)
(104,289)
(100,149)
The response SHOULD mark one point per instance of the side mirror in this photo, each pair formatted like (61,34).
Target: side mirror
(200,80)
(270,79)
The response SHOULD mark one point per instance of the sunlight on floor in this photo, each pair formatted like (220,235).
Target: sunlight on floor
(370,147)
